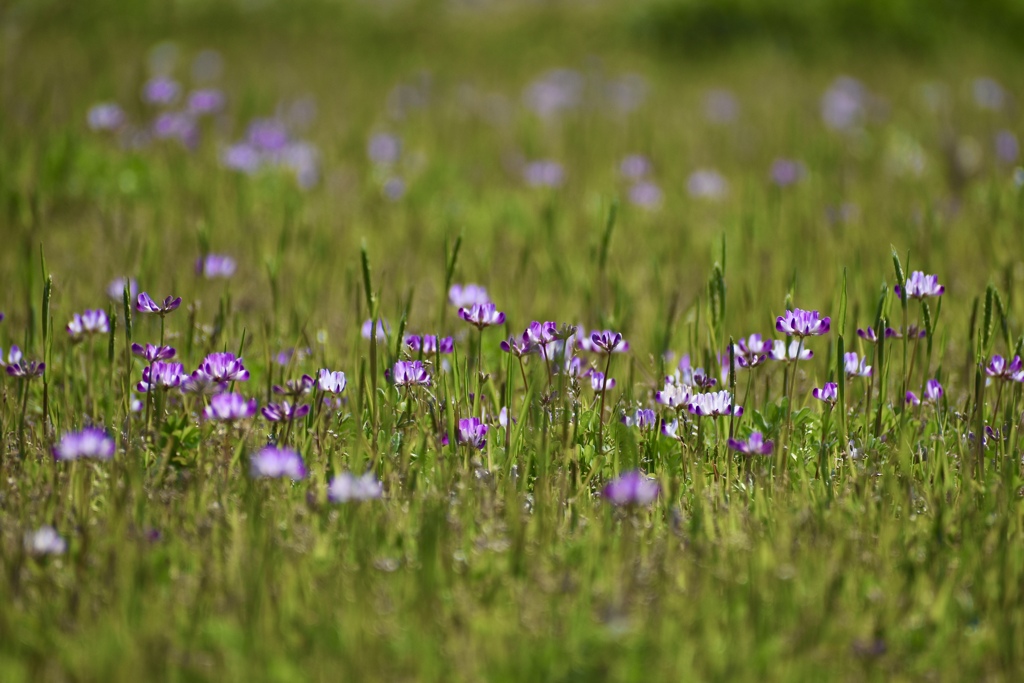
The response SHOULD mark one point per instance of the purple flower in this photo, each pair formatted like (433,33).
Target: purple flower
(599,383)
(828,393)
(153,353)
(115,290)
(295,387)
(606,341)
(223,367)
(284,412)
(284,357)
(215,265)
(644,419)
(801,323)
(180,126)
(407,373)
(430,343)
(786,172)
(544,174)
(920,286)
(911,399)
(88,323)
(553,92)
(721,106)
(383,329)
(752,351)
(933,391)
(347,487)
(19,367)
(912,332)
(472,432)
(273,463)
(869,334)
(91,442)
(1000,369)
(160,91)
(267,135)
(714,404)
(467,295)
(105,116)
(482,315)
(205,101)
(145,304)
(200,384)
(161,376)
(855,365)
(635,167)
(754,445)
(706,183)
(989,94)
(788,354)
(632,489)
(671,429)
(229,408)
(241,157)
(393,189)
(1007,148)
(45,541)
(844,104)
(517,346)
(332,382)
(645,194)
(675,394)
(384,148)
(541,334)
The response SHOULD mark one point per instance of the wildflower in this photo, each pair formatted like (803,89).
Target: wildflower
(295,387)
(482,315)
(675,394)
(844,104)
(472,432)
(912,331)
(88,443)
(347,487)
(919,286)
(241,157)
(145,304)
(205,101)
(671,429)
(714,404)
(801,323)
(911,399)
(707,184)
(792,352)
(105,116)
(1007,147)
(704,381)
(645,194)
(752,351)
(606,341)
(410,373)
(176,126)
(384,149)
(517,346)
(284,412)
(998,367)
(215,265)
(599,383)
(869,334)
(644,419)
(754,445)
(544,173)
(786,172)
(635,167)
(331,382)
(200,384)
(467,295)
(229,407)
(161,376)
(430,343)
(540,334)
(828,394)
(160,91)
(273,463)
(721,106)
(383,329)
(223,367)
(933,391)
(285,357)
(45,541)
(855,365)
(88,323)
(267,135)
(19,367)
(632,489)
(152,353)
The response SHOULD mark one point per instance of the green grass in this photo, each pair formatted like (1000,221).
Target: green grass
(905,563)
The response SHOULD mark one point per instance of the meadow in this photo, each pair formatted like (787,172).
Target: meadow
(501,341)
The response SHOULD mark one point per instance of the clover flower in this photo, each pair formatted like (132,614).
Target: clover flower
(786,172)
(430,343)
(781,352)
(19,367)
(215,266)
(869,334)
(517,346)
(675,394)
(45,541)
(467,295)
(160,90)
(912,332)
(91,442)
(933,391)
(152,353)
(115,290)
(754,445)
(105,116)
(384,149)
(999,368)
(714,404)
(284,411)
(205,101)
(801,323)
(223,367)
(482,315)
(472,432)
(229,408)
(88,323)
(295,387)
(599,383)
(828,394)
(643,419)
(919,286)
(347,487)
(407,373)
(752,351)
(200,384)
(145,304)
(273,463)
(671,429)
(161,376)
(331,382)
(383,329)
(631,489)
(606,341)
(855,366)
(540,334)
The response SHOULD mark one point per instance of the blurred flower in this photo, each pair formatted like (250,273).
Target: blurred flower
(643,419)
(787,354)
(828,393)
(706,183)
(88,323)
(152,353)
(544,173)
(383,329)
(754,445)
(869,334)
(933,391)
(284,411)
(105,116)
(472,432)
(347,487)
(115,290)
(606,341)
(229,408)
(517,346)
(242,157)
(215,265)
(393,189)
(920,286)
(998,367)
(267,135)
(331,382)
(554,92)
(786,172)
(912,331)
(855,365)
(223,367)
(844,104)
(145,304)
(91,442)
(645,194)
(721,106)
(295,388)
(635,167)
(599,383)
(632,489)
(45,541)
(1007,148)
(715,404)
(205,101)
(467,295)
(199,384)
(20,368)
(482,315)
(410,373)
(675,394)
(273,463)
(180,126)
(988,94)
(161,376)
(430,343)
(384,148)
(160,91)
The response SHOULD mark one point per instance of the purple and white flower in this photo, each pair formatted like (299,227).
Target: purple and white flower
(145,304)
(229,408)
(801,323)
(920,286)
(347,487)
(632,489)
(223,367)
(88,323)
(407,373)
(161,376)
(828,394)
(91,442)
(715,404)
(754,445)
(274,463)
(331,382)
(482,315)
(215,266)
(793,352)
(472,432)
(284,411)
